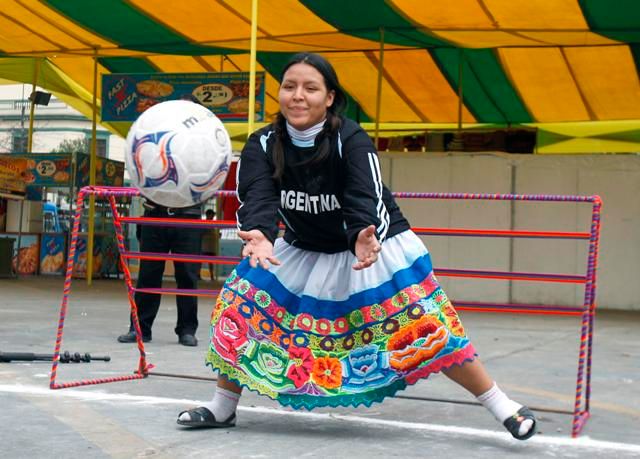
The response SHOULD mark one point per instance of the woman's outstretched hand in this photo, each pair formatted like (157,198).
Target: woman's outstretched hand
(367,248)
(258,248)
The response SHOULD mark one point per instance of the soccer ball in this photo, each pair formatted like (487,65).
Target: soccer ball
(178,153)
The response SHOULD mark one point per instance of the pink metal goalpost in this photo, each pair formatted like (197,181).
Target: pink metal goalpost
(581,410)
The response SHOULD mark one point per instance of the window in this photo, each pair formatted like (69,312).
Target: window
(101,148)
(19,142)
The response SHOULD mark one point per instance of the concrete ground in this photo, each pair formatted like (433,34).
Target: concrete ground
(533,358)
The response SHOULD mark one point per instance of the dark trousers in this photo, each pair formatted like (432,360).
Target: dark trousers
(164,240)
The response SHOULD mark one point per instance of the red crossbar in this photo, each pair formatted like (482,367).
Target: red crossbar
(178,291)
(185,258)
(180,222)
(507,275)
(500,233)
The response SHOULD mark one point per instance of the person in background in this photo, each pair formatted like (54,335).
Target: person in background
(165,239)
(210,241)
(344,310)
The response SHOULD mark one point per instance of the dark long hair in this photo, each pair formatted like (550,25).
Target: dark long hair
(332,124)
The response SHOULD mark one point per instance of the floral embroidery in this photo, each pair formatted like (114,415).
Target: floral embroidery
(300,340)
(278,313)
(341,325)
(440,298)
(452,319)
(232,277)
(285,341)
(415,311)
(390,326)
(301,365)
(401,299)
(323,326)
(305,361)
(246,309)
(243,286)
(417,343)
(419,290)
(266,326)
(327,372)
(327,344)
(262,298)
(228,296)
(367,336)
(348,342)
(304,321)
(365,368)
(230,333)
(269,362)
(377,312)
(356,318)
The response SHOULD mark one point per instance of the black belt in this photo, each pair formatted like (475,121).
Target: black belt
(156,209)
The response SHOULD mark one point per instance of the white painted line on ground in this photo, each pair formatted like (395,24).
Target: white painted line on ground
(583,442)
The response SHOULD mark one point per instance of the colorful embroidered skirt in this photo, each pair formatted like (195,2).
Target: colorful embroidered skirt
(313,332)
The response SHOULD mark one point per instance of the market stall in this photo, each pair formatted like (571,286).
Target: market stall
(36,192)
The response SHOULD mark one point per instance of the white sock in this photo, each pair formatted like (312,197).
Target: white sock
(502,407)
(223,405)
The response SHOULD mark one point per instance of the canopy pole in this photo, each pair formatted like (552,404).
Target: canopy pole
(379,89)
(92,170)
(460,65)
(457,144)
(32,108)
(252,67)
(19,238)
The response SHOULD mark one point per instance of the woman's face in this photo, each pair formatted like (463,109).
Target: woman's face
(304,97)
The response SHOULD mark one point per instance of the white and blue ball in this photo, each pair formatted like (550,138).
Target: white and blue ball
(178,153)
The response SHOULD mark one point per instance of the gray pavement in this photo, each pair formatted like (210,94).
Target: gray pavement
(533,358)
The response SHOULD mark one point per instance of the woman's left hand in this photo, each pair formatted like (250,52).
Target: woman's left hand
(367,248)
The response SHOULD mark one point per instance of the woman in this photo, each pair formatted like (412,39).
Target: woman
(344,309)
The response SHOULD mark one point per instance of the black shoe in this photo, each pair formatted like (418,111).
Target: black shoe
(131,338)
(188,340)
(513,423)
(201,417)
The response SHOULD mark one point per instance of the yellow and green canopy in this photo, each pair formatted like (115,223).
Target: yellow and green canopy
(568,67)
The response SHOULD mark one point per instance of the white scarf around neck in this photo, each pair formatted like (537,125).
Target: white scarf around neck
(307,137)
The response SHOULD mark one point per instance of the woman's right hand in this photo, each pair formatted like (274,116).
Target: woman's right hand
(367,248)
(258,248)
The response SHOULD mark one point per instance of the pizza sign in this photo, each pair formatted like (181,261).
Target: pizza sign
(126,96)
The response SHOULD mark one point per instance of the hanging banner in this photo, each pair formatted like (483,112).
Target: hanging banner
(37,169)
(126,96)
(109,172)
(13,174)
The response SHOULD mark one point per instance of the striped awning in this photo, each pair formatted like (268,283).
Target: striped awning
(568,67)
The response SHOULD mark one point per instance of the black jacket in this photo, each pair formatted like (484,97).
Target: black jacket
(323,206)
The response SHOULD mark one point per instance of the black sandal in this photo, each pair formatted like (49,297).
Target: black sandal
(201,417)
(513,423)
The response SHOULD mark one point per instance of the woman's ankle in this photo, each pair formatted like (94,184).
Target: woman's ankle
(224,383)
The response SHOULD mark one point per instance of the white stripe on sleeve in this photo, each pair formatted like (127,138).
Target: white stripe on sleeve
(381,209)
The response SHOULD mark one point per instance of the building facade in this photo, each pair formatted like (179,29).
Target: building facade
(53,124)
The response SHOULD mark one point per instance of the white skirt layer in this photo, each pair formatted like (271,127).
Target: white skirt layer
(331,276)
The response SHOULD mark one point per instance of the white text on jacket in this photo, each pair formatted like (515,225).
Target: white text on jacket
(301,201)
